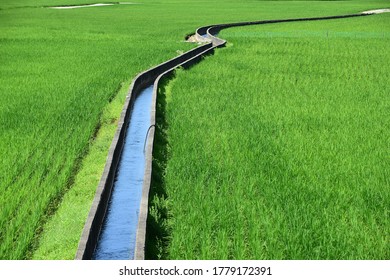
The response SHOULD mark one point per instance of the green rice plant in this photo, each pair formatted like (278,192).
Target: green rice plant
(59,72)
(279,146)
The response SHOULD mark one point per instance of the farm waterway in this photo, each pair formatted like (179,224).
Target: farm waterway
(118,237)
(118,234)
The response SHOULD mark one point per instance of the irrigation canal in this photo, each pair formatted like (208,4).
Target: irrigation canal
(116,226)
(118,234)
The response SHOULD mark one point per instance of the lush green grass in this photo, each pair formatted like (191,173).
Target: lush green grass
(278,146)
(59,69)
(59,240)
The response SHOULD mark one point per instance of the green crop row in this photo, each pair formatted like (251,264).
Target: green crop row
(278,148)
(59,71)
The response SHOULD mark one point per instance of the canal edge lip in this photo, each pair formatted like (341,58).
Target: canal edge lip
(139,252)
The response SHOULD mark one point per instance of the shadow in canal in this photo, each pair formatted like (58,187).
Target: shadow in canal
(157,234)
(157,228)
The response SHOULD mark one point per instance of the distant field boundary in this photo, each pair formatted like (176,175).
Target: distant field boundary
(205,34)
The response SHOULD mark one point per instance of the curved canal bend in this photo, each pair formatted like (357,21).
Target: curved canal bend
(116,225)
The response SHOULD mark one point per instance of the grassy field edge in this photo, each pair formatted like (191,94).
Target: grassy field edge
(61,231)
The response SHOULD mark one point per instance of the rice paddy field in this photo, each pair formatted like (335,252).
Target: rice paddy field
(276,147)
(284,152)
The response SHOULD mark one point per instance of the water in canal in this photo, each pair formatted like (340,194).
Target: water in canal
(118,234)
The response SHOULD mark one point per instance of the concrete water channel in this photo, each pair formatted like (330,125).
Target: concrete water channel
(118,234)
(116,225)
